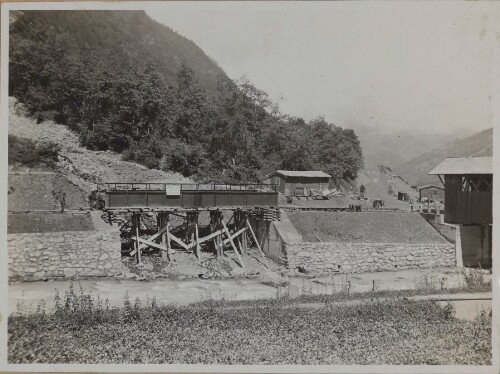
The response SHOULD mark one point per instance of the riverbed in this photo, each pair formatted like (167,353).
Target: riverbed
(29,295)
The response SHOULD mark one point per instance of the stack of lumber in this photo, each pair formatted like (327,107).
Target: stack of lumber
(266,214)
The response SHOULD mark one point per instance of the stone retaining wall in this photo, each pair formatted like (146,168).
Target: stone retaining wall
(333,257)
(37,256)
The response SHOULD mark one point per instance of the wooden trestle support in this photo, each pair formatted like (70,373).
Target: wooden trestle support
(219,235)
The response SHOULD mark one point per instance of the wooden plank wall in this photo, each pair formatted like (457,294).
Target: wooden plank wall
(189,199)
(464,207)
(432,193)
(309,183)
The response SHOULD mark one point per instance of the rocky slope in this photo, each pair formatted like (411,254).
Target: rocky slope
(79,167)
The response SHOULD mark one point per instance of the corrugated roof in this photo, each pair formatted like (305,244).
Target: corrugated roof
(464,165)
(301,173)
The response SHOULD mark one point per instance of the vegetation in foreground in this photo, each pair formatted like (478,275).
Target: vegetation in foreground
(83,329)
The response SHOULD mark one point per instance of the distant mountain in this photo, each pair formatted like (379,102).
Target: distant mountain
(416,170)
(383,146)
(118,38)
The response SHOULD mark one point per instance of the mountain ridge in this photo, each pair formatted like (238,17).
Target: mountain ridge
(416,171)
(125,83)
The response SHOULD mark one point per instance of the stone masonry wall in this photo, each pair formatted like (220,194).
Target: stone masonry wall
(332,257)
(37,256)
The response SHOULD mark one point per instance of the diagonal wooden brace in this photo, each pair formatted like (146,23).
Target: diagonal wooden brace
(232,243)
(256,242)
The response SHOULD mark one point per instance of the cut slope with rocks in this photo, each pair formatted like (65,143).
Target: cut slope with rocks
(81,166)
(35,190)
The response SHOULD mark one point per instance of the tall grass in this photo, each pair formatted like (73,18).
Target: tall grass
(83,329)
(473,277)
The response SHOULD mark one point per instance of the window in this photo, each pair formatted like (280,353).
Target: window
(477,183)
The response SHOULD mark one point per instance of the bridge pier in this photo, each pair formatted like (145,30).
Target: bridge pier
(162,220)
(216,225)
(192,231)
(234,232)
(240,217)
(136,226)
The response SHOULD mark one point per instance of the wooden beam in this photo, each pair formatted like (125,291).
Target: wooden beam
(256,242)
(219,247)
(244,243)
(167,238)
(155,236)
(197,243)
(126,223)
(239,246)
(232,243)
(180,242)
(235,235)
(149,243)
(137,226)
(212,235)
(441,179)
(164,224)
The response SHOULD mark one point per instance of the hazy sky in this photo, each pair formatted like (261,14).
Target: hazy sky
(393,64)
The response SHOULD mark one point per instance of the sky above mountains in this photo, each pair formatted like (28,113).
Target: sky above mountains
(417,66)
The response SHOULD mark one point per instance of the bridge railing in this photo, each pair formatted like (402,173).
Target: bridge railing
(255,187)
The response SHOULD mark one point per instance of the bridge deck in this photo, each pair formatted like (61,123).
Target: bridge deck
(187,195)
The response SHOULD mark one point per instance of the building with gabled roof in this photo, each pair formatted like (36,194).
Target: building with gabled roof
(431,192)
(464,166)
(468,192)
(299,182)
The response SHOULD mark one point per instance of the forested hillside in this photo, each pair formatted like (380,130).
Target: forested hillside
(126,83)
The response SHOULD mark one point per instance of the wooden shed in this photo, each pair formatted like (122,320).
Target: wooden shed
(299,183)
(468,192)
(431,192)
(468,189)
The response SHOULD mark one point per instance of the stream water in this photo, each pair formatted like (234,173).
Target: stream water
(187,291)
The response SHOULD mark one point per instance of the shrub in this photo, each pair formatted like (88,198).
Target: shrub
(473,277)
(29,153)
(184,158)
(147,153)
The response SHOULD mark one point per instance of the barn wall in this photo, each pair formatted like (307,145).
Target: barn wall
(463,207)
(432,194)
(38,256)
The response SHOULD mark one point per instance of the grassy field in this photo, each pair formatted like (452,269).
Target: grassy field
(395,331)
(367,227)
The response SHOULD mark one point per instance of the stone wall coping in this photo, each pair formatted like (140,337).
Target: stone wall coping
(368,243)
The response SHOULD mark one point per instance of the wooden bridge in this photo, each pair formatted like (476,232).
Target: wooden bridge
(188,200)
(167,196)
